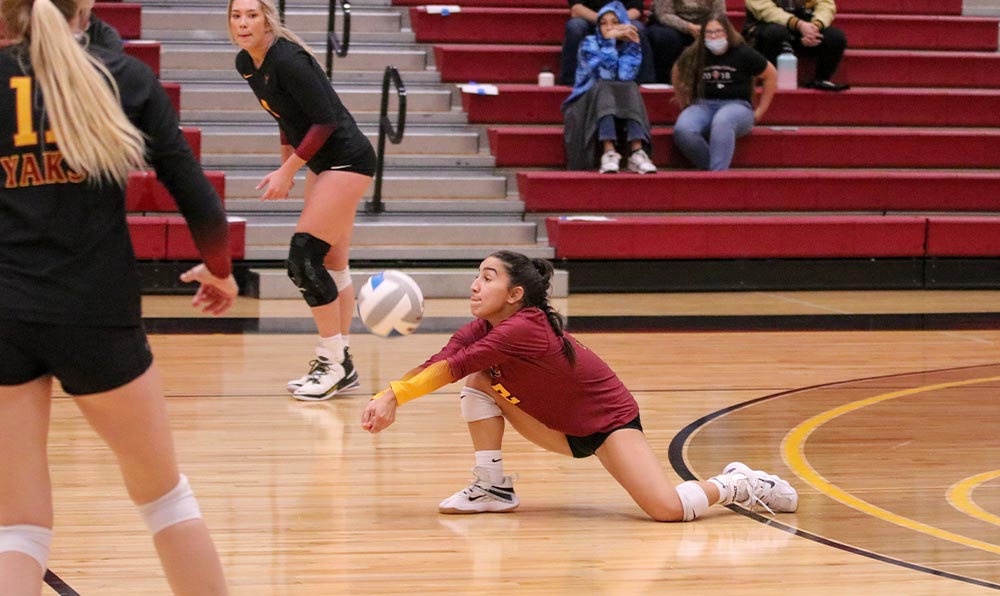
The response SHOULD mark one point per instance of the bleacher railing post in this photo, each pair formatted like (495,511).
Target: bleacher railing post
(333,43)
(386,129)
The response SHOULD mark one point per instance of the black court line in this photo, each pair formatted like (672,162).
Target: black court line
(57,584)
(676,455)
(654,323)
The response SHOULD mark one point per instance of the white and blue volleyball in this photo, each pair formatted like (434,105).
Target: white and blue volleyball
(391,303)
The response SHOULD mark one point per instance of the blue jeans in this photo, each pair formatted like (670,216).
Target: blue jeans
(607,130)
(706,131)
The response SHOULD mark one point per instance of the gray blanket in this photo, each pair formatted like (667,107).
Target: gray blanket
(617,98)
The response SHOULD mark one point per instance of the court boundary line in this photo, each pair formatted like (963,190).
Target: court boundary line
(675,453)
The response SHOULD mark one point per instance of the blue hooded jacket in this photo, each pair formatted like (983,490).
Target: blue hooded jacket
(605,59)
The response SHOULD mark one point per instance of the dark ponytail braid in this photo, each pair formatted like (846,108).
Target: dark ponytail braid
(534,276)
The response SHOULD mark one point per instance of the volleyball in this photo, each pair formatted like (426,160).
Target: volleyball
(391,303)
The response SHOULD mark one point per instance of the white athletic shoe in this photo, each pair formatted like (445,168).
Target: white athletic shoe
(770,491)
(609,162)
(482,496)
(640,163)
(326,378)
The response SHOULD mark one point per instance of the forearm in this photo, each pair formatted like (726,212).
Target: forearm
(769,79)
(824,13)
(582,12)
(423,382)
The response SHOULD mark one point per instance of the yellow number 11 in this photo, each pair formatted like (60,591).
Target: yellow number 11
(26,134)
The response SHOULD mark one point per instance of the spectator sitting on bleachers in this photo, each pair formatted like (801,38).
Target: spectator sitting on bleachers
(672,26)
(583,21)
(714,83)
(98,33)
(805,25)
(605,98)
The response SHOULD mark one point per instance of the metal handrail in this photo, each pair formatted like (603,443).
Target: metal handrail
(333,43)
(386,129)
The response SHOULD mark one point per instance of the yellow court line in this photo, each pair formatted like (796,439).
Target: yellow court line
(960,496)
(793,452)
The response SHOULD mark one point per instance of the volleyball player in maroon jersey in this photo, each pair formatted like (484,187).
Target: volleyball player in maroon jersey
(523,367)
(72,126)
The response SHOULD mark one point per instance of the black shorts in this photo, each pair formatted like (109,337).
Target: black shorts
(362,162)
(85,359)
(586,446)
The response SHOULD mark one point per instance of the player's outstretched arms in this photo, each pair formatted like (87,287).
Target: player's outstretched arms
(380,412)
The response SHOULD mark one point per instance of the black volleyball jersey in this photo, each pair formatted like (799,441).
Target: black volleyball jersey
(65,252)
(292,87)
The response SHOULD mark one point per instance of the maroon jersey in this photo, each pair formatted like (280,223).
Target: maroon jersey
(524,358)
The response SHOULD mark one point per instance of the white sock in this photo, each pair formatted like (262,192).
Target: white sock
(492,462)
(335,344)
(693,499)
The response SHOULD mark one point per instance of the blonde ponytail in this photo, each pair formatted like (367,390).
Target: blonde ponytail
(82,101)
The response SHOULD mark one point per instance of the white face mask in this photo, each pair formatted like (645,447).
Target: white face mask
(717,46)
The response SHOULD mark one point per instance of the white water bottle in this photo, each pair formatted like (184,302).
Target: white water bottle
(788,68)
(546,78)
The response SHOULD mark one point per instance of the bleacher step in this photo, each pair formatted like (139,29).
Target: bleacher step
(237,97)
(434,283)
(242,185)
(409,253)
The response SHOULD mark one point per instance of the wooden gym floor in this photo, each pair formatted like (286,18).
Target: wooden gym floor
(881,408)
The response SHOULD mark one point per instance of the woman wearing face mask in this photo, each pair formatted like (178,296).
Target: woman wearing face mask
(714,83)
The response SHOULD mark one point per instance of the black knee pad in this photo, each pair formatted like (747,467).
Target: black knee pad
(305,267)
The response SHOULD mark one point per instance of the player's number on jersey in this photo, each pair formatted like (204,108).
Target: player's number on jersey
(26,134)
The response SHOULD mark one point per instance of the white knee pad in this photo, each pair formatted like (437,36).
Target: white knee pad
(477,405)
(34,541)
(341,278)
(693,499)
(176,506)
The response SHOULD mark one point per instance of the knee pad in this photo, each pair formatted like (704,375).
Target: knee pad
(341,278)
(305,268)
(477,405)
(694,501)
(34,541)
(176,506)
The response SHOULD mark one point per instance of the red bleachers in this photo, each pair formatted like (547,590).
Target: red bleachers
(730,237)
(167,237)
(497,63)
(147,51)
(868,106)
(743,191)
(547,26)
(780,147)
(125,17)
(906,164)
(911,7)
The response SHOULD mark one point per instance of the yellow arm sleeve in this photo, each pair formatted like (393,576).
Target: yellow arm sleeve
(433,377)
